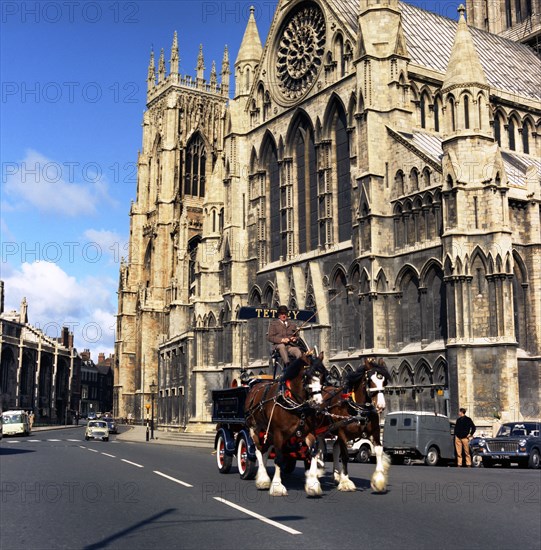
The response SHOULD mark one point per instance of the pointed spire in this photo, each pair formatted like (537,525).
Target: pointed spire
(250,48)
(173,62)
(200,66)
(226,71)
(213,76)
(464,66)
(161,67)
(151,75)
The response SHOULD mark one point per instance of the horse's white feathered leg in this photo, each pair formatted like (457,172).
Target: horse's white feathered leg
(380,476)
(312,486)
(262,479)
(277,489)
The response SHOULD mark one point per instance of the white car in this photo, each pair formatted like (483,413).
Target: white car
(97,429)
(360,450)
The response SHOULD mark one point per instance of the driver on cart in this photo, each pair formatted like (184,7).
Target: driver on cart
(283,334)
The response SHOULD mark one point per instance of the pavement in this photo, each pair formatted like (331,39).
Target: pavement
(138,434)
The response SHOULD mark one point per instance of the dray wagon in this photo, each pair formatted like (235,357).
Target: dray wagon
(228,411)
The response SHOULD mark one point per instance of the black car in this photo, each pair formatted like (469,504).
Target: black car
(111,424)
(516,442)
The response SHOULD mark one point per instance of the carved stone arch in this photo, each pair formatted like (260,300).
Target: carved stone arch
(318,130)
(441,373)
(352,109)
(211,321)
(253,161)
(338,270)
(519,266)
(400,183)
(407,271)
(268,141)
(398,209)
(414,92)
(360,104)
(423,372)
(414,179)
(499,263)
(268,295)
(405,374)
(281,149)
(364,282)
(478,254)
(408,207)
(465,264)
(382,283)
(254,297)
(338,53)
(427,175)
(448,266)
(417,203)
(300,119)
(508,263)
(335,106)
(364,203)
(200,321)
(430,264)
(491,264)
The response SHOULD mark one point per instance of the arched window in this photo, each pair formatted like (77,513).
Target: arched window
(452,113)
(422,106)
(270,163)
(435,307)
(466,112)
(511,134)
(410,309)
(306,172)
(343,175)
(498,130)
(526,137)
(437,115)
(195,173)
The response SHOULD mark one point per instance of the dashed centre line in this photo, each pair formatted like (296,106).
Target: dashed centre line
(259,517)
(173,479)
(132,463)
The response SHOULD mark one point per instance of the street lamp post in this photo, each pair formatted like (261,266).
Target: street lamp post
(153,387)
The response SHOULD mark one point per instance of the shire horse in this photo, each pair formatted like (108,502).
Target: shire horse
(284,418)
(353,411)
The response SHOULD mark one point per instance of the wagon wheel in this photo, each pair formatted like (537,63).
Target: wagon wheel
(247,467)
(223,460)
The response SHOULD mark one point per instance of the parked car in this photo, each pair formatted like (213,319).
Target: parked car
(97,429)
(418,435)
(360,450)
(16,422)
(111,424)
(92,416)
(515,442)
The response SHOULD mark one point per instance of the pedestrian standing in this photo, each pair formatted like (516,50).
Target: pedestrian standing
(464,430)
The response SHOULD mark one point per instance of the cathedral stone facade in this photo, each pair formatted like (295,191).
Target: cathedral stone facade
(378,164)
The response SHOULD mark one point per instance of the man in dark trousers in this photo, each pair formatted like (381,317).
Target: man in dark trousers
(283,334)
(464,430)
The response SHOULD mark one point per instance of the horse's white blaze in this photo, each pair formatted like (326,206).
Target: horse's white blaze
(315,390)
(379,381)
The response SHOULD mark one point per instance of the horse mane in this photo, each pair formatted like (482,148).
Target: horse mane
(353,378)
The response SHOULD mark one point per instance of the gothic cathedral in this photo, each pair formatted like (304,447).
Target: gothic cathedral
(375,163)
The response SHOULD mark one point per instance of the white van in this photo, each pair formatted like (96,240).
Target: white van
(15,422)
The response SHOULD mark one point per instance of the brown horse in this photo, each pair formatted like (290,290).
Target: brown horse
(352,411)
(283,418)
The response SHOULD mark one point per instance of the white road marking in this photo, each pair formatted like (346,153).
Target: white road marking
(132,463)
(173,479)
(93,450)
(259,517)
(55,440)
(33,440)
(73,440)
(12,441)
(107,454)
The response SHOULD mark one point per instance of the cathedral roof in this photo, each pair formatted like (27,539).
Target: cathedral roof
(516,164)
(430,39)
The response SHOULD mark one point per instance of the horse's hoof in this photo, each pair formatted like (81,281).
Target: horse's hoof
(263,485)
(313,489)
(277,490)
(378,482)
(346,486)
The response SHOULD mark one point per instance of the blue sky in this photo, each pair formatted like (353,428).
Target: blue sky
(73,95)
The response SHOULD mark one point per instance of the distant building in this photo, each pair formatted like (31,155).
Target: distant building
(37,373)
(379,164)
(96,384)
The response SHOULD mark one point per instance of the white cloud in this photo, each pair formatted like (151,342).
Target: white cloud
(56,299)
(109,242)
(52,187)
